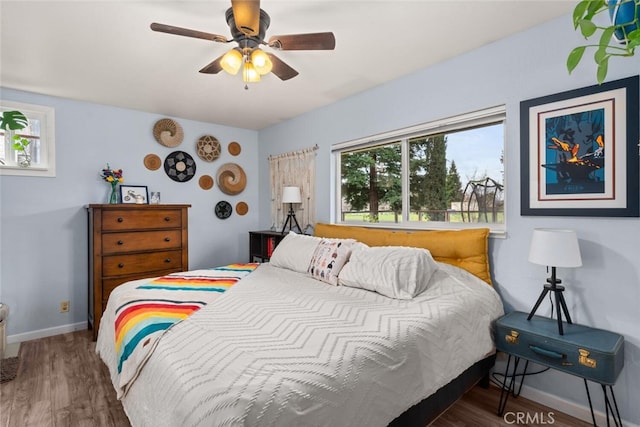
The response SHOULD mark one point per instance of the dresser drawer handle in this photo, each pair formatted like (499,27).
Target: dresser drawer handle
(167,260)
(120,219)
(167,218)
(547,353)
(121,265)
(167,239)
(120,242)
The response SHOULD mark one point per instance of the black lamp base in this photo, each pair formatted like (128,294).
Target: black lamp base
(552,286)
(291,218)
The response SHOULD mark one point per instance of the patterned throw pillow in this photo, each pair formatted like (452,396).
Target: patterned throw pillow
(329,258)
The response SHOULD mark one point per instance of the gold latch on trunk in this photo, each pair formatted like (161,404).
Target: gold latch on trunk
(513,338)
(585,360)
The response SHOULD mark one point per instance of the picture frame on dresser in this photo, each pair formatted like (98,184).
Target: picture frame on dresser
(134,194)
(579,152)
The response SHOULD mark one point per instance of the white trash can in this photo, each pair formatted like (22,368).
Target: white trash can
(4,313)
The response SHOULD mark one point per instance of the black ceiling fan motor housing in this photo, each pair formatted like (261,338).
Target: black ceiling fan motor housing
(240,37)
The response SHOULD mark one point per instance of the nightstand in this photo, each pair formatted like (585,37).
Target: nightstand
(262,243)
(591,354)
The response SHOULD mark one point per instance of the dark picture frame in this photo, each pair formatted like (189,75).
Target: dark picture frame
(129,193)
(579,152)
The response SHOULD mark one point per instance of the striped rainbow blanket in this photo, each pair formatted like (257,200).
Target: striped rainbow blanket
(148,311)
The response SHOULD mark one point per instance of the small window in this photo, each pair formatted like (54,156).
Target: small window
(446,174)
(40,133)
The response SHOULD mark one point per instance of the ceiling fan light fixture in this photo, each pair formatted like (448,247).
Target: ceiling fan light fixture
(261,62)
(249,73)
(232,61)
(248,24)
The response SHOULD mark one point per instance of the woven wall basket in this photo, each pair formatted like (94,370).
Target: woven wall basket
(168,132)
(180,166)
(152,162)
(231,179)
(234,148)
(205,182)
(208,148)
(242,208)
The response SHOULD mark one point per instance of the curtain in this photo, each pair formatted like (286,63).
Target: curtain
(297,169)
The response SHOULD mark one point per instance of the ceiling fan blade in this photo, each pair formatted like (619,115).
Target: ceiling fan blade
(163,28)
(246,13)
(310,41)
(213,67)
(281,69)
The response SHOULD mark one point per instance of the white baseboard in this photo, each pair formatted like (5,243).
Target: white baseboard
(49,332)
(567,406)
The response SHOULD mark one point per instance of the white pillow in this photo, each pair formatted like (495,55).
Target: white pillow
(294,252)
(394,271)
(329,258)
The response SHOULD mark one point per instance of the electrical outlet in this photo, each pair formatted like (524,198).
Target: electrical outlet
(64,307)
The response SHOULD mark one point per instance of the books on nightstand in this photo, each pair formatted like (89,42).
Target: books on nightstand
(271,244)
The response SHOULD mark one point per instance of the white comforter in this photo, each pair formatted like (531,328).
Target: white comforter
(283,349)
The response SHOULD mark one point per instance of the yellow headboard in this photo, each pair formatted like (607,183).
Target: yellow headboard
(467,249)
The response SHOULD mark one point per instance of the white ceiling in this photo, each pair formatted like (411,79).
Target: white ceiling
(104,51)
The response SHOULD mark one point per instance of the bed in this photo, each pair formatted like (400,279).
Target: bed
(349,327)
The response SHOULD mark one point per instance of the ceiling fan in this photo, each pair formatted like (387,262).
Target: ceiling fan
(248,24)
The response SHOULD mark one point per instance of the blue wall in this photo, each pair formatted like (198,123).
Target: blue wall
(43,224)
(605,292)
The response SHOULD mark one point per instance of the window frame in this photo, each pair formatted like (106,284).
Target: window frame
(488,116)
(46,115)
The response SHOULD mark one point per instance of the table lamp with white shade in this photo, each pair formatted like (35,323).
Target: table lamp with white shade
(554,248)
(291,195)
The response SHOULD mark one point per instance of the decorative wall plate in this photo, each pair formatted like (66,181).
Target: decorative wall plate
(223,209)
(180,166)
(231,179)
(168,132)
(152,162)
(208,148)
(234,148)
(242,208)
(206,182)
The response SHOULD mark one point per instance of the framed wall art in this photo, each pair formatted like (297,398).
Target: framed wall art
(579,152)
(138,194)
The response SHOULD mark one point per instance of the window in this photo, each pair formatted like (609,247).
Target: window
(444,174)
(41,136)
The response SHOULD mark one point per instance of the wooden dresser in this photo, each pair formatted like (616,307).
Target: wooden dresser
(128,242)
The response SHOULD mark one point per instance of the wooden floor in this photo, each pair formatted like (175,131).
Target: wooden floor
(62,382)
